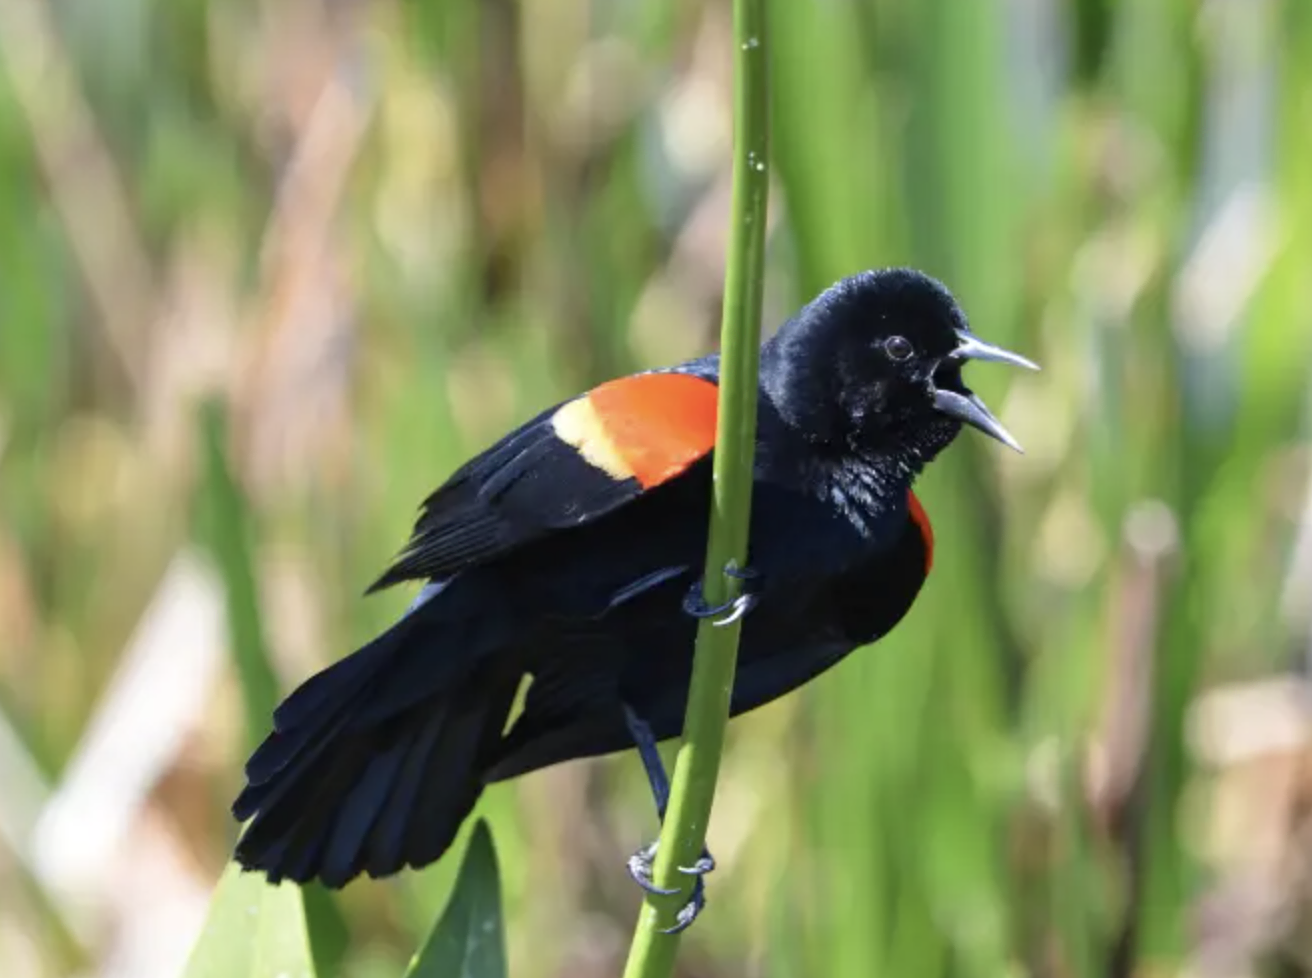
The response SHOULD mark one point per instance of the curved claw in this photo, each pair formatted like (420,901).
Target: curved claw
(694,603)
(737,608)
(704,865)
(639,866)
(689,911)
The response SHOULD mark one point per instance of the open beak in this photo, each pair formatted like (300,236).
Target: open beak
(968,408)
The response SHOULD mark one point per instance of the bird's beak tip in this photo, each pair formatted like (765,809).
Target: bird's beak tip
(1006,437)
(971,347)
(969,409)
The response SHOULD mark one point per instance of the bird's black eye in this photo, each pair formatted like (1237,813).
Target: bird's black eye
(898,348)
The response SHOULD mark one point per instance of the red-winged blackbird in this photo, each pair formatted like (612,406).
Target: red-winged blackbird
(571,551)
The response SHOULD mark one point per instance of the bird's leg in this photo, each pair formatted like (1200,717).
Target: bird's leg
(695,602)
(641,862)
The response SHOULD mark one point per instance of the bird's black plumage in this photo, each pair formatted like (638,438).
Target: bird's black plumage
(565,553)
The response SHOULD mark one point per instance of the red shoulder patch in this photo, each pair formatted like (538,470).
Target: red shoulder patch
(921,519)
(659,424)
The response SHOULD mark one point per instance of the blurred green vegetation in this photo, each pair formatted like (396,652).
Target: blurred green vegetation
(378,234)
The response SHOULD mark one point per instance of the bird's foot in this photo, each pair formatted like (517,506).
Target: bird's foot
(695,602)
(640,868)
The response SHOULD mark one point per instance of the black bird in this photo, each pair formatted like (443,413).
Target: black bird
(571,551)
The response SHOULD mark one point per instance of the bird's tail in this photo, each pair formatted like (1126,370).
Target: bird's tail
(358,776)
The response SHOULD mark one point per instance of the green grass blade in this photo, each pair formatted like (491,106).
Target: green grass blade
(225,528)
(468,941)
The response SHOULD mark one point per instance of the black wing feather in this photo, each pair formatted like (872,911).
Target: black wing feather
(526,485)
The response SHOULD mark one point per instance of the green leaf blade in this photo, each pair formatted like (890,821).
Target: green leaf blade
(253,930)
(468,940)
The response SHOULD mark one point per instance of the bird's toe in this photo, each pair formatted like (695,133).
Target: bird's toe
(640,866)
(696,605)
(690,910)
(704,864)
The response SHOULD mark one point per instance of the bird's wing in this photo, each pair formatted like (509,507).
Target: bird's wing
(568,466)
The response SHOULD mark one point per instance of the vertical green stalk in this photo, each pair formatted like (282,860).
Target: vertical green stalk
(226,530)
(684,832)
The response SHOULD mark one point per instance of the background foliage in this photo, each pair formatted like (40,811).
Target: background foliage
(269,271)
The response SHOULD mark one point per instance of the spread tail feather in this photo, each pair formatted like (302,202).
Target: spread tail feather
(338,789)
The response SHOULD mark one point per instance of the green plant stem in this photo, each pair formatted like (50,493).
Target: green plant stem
(684,832)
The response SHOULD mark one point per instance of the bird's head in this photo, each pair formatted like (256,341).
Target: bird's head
(874,364)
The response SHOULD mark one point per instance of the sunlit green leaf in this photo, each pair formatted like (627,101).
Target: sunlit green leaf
(468,941)
(254,930)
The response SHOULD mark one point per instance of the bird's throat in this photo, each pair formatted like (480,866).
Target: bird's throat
(865,489)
